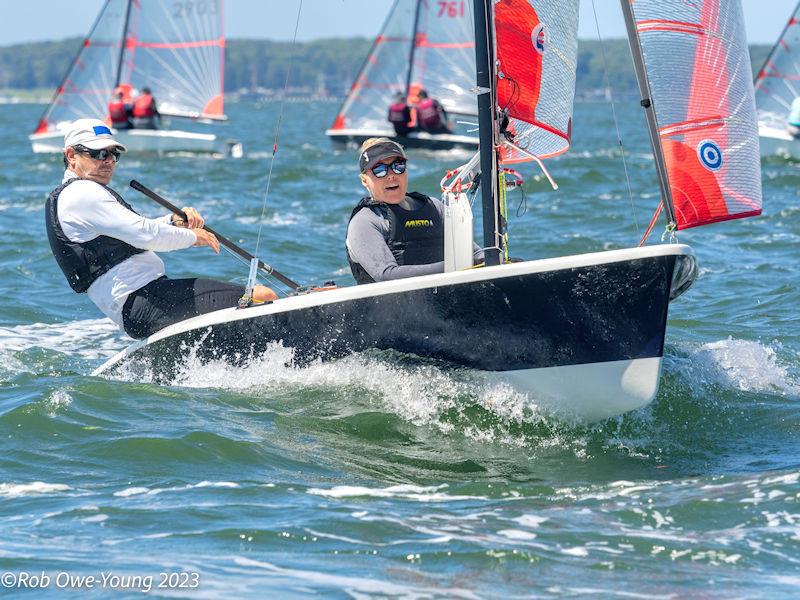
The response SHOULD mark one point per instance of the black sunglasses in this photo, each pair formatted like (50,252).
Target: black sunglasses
(98,154)
(382,169)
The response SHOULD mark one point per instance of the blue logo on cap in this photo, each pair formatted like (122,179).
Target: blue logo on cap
(101,129)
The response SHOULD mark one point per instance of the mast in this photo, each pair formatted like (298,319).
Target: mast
(123,43)
(483,65)
(413,47)
(647,104)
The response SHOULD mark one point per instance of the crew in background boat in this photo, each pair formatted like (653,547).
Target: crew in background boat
(119,111)
(400,115)
(794,118)
(393,233)
(106,249)
(431,115)
(145,111)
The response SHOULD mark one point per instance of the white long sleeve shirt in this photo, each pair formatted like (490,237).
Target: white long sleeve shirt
(86,210)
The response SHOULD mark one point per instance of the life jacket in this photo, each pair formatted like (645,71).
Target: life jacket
(83,262)
(416,237)
(429,114)
(117,111)
(144,107)
(400,113)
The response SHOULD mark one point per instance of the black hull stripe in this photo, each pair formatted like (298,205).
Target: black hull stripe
(590,314)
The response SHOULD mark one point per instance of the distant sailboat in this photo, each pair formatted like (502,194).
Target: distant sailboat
(777,87)
(174,48)
(423,45)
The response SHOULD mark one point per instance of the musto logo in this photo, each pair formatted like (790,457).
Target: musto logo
(419,223)
(709,154)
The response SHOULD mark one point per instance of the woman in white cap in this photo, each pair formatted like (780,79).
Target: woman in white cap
(394,233)
(106,249)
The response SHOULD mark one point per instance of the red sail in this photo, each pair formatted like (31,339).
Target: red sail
(536,62)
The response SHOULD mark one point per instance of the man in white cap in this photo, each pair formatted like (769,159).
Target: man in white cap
(107,250)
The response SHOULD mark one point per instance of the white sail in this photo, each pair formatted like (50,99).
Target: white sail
(92,77)
(778,81)
(177,49)
(422,45)
(174,48)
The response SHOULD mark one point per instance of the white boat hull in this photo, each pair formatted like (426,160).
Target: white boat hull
(589,392)
(149,140)
(582,336)
(778,142)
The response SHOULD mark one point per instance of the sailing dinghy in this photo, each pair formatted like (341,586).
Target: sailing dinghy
(422,45)
(777,86)
(582,336)
(175,48)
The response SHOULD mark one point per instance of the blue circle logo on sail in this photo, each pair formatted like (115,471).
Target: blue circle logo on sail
(709,154)
(539,37)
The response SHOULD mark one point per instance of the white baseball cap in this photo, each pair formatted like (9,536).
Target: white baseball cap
(92,133)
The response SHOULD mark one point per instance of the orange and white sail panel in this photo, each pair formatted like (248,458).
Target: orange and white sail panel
(537,49)
(698,68)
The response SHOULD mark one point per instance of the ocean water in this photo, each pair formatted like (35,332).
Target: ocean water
(373,477)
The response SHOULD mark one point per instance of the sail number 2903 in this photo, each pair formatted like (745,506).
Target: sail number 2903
(185,9)
(451,8)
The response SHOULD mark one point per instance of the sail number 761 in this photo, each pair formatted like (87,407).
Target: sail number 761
(451,8)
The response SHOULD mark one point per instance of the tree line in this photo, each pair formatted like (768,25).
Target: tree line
(329,63)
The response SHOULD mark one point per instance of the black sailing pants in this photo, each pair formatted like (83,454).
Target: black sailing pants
(166,301)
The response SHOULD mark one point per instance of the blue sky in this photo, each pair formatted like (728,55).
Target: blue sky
(275,19)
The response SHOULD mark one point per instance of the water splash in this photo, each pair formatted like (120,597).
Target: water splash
(741,365)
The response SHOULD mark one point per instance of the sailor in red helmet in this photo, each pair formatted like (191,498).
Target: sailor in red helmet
(145,112)
(431,116)
(400,115)
(119,111)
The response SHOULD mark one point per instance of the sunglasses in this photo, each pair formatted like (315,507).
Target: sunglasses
(382,169)
(100,155)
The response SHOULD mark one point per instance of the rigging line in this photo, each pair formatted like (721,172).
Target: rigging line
(278,126)
(616,123)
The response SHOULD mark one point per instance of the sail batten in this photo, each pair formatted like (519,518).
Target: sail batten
(697,72)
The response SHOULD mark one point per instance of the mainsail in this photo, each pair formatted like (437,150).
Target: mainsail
(174,48)
(696,79)
(778,81)
(424,44)
(537,47)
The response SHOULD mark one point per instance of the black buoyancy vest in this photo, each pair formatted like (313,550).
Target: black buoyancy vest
(83,262)
(416,237)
